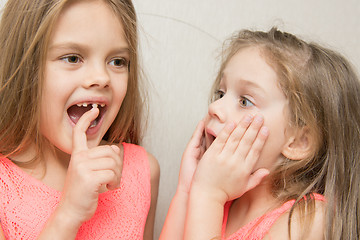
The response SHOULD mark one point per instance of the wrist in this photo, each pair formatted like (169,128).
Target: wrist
(60,226)
(208,194)
(182,191)
(66,219)
(205,213)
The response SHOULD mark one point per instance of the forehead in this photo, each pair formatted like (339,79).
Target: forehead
(248,73)
(88,21)
(250,63)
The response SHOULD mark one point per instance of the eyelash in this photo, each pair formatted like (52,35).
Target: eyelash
(67,58)
(218,94)
(124,63)
(244,102)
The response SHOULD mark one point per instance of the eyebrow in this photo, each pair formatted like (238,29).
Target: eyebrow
(78,47)
(244,83)
(250,84)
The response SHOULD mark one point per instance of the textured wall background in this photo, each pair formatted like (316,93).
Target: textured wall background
(180,40)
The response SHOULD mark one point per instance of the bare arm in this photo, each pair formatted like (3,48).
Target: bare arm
(60,227)
(175,220)
(155,175)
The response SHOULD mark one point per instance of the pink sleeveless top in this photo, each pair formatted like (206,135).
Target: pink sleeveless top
(26,203)
(258,228)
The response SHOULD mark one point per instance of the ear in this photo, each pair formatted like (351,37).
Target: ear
(299,144)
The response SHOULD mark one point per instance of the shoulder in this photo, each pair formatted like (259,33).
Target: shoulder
(136,150)
(313,229)
(154,181)
(154,168)
(144,158)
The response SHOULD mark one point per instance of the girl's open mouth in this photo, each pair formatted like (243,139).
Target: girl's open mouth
(209,138)
(77,110)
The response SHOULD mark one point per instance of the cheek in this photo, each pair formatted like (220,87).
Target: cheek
(271,153)
(119,94)
(118,101)
(53,100)
(275,142)
(47,108)
(120,88)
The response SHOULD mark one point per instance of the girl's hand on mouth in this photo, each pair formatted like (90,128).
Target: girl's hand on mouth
(226,170)
(90,172)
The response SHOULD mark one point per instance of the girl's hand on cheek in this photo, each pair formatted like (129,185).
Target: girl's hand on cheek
(192,154)
(226,171)
(89,170)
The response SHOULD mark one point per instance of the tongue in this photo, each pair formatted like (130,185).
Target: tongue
(76,112)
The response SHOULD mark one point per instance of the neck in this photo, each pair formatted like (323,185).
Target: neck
(250,206)
(58,157)
(256,198)
(50,167)
(49,153)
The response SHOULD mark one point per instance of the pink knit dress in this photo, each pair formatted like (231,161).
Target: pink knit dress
(26,203)
(258,228)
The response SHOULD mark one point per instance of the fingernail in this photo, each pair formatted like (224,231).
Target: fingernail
(248,118)
(258,119)
(230,125)
(264,131)
(115,148)
(93,108)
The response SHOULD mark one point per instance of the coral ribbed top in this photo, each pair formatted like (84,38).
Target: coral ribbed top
(26,203)
(258,228)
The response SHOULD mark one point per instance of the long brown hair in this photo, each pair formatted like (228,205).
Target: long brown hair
(323,91)
(25,30)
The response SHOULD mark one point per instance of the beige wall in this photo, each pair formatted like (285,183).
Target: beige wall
(180,40)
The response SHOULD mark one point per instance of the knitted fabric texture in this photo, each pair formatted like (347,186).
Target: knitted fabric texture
(258,228)
(26,203)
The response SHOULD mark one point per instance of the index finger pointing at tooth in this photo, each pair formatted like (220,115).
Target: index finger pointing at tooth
(79,131)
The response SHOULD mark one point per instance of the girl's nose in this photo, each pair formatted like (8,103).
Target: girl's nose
(97,76)
(217,109)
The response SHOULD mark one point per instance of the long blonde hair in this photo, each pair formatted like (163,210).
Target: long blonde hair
(25,30)
(323,92)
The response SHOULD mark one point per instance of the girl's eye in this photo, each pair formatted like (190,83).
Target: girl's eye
(244,102)
(71,59)
(219,94)
(119,62)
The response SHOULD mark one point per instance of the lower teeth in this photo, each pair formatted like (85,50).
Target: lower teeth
(93,124)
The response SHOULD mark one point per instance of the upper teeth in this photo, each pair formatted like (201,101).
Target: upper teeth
(94,105)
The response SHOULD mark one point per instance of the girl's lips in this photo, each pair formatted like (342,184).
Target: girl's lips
(209,131)
(86,101)
(209,137)
(94,125)
(75,112)
(84,104)
(79,107)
